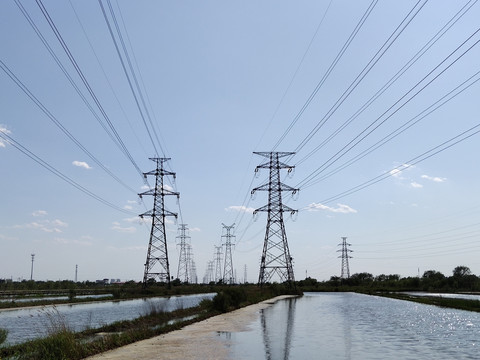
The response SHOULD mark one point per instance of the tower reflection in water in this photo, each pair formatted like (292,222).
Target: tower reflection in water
(277,329)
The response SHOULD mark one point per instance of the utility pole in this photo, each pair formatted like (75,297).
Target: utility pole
(276,257)
(218,263)
(156,265)
(31,270)
(228,275)
(345,274)
(245,274)
(183,272)
(76,272)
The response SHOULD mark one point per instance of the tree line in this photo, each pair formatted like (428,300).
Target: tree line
(461,279)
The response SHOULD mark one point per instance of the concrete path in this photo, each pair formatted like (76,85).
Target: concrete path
(196,341)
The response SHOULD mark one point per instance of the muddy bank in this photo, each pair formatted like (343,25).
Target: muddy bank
(196,341)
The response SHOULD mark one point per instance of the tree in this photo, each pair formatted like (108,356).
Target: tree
(433,275)
(461,271)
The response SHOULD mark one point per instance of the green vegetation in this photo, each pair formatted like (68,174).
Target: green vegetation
(62,343)
(3,335)
(37,291)
(462,280)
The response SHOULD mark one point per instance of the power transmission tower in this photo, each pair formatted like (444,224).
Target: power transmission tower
(218,263)
(276,257)
(208,278)
(345,274)
(193,270)
(228,276)
(183,272)
(157,266)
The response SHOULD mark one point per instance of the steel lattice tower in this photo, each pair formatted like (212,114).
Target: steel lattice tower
(228,275)
(218,263)
(183,272)
(156,265)
(193,270)
(208,278)
(276,257)
(345,274)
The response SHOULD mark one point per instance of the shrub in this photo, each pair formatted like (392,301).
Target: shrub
(228,299)
(3,335)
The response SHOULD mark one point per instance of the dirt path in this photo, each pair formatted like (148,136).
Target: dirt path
(196,341)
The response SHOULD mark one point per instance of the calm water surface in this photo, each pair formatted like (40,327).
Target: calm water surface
(26,324)
(355,326)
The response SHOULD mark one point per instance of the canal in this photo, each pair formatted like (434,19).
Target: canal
(355,326)
(29,323)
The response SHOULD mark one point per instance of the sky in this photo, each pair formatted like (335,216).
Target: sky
(378,100)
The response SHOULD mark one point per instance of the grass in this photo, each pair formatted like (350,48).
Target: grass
(62,343)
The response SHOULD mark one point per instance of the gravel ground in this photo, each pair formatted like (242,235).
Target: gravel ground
(195,341)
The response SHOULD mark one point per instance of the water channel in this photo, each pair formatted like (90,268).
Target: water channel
(354,326)
(29,323)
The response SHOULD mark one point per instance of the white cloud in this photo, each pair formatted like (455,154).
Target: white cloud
(132,202)
(81,164)
(60,223)
(129,230)
(416,185)
(128,207)
(167,187)
(45,225)
(195,229)
(240,208)
(434,178)
(3,143)
(341,208)
(134,219)
(397,172)
(38,213)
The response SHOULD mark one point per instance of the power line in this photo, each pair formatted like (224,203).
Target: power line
(58,173)
(40,105)
(395,77)
(296,72)
(133,75)
(404,127)
(119,103)
(329,71)
(378,122)
(63,44)
(422,157)
(365,71)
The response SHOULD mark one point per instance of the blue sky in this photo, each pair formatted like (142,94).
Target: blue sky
(220,81)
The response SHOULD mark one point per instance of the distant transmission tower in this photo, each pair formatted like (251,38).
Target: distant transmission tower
(184,260)
(157,266)
(218,263)
(276,257)
(345,250)
(208,278)
(193,270)
(228,274)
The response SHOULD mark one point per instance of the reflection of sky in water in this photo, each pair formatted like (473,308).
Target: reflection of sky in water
(24,324)
(52,298)
(354,326)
